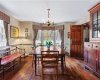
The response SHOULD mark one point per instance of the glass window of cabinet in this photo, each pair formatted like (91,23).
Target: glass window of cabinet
(96,25)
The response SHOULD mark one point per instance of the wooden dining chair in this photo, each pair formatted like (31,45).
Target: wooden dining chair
(49,61)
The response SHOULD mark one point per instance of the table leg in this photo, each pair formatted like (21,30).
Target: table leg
(13,64)
(33,60)
(20,59)
(35,64)
(3,71)
(62,64)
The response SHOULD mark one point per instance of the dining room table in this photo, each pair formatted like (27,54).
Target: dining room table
(37,52)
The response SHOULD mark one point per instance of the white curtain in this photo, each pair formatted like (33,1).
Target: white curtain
(3,34)
(62,38)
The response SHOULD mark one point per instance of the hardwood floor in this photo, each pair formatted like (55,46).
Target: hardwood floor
(74,70)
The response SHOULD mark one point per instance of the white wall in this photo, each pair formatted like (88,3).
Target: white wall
(27,42)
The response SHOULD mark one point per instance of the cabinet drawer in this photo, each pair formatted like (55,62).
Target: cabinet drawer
(88,45)
(96,46)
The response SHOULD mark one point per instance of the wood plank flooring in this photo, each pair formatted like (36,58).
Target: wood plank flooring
(73,70)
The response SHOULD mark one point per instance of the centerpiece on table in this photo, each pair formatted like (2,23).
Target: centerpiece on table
(48,44)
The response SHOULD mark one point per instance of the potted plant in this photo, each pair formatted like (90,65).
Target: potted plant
(48,44)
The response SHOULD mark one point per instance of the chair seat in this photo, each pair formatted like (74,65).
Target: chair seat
(49,65)
(38,56)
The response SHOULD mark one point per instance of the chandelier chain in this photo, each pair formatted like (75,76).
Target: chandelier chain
(48,12)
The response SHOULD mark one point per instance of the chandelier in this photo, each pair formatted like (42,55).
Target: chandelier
(48,22)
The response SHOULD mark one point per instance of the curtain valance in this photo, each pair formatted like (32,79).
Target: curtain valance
(41,27)
(4,17)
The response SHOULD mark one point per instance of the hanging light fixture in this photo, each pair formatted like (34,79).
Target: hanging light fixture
(48,22)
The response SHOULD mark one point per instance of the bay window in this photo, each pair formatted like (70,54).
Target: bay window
(48,35)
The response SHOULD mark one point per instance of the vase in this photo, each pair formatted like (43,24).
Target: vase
(48,46)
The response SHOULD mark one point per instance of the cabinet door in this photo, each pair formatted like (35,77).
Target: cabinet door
(98,61)
(91,59)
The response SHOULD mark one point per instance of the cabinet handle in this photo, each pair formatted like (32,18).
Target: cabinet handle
(88,45)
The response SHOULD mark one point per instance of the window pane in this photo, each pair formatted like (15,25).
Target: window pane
(38,39)
(48,35)
(57,37)
(2,34)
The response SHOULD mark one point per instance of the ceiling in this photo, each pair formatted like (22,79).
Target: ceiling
(36,10)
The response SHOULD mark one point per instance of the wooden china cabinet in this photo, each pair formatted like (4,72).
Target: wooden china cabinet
(92,48)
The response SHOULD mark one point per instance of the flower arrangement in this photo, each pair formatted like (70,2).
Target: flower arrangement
(48,44)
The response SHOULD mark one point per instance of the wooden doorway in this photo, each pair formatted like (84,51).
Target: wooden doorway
(76,36)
